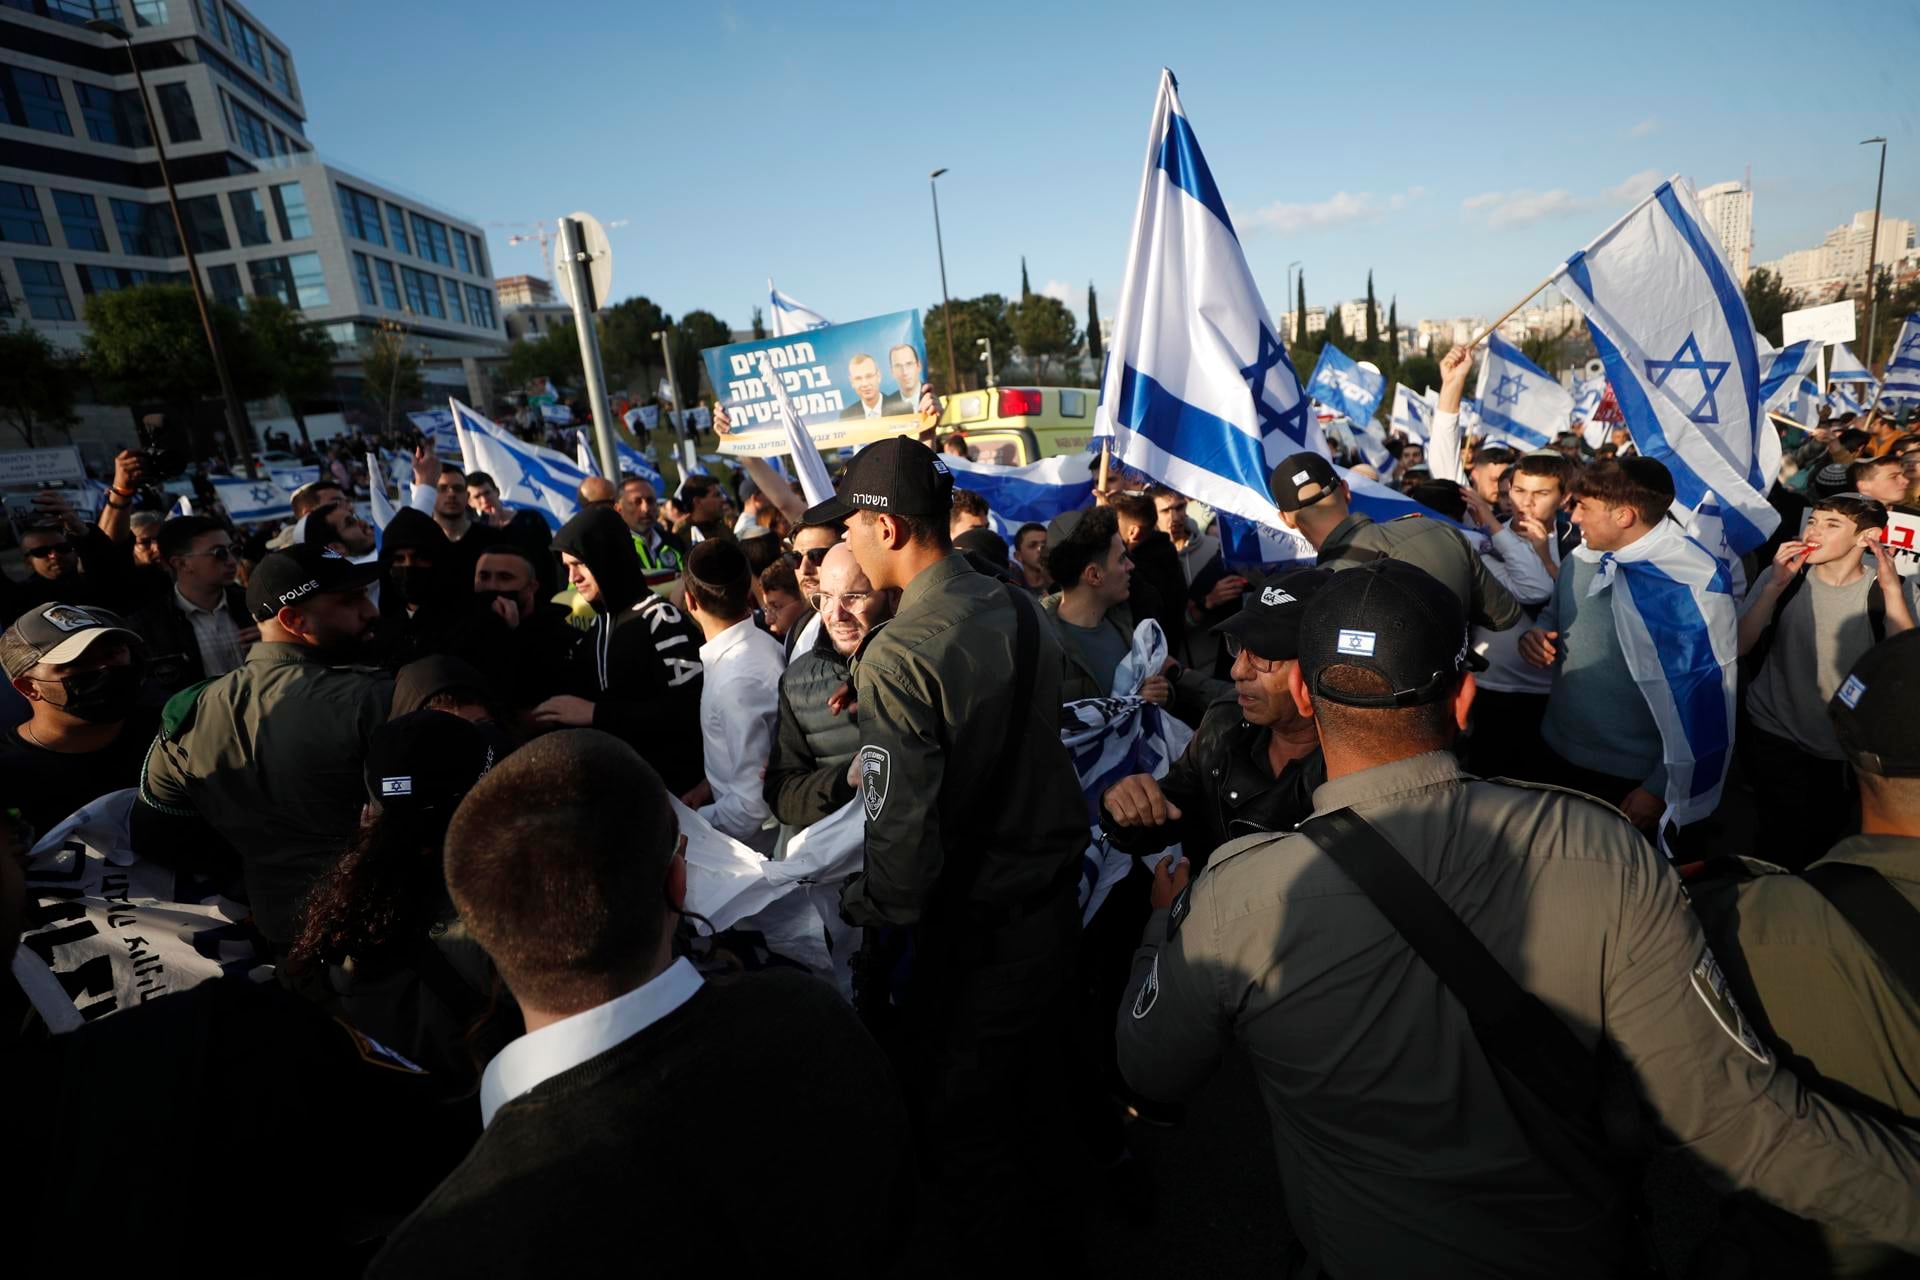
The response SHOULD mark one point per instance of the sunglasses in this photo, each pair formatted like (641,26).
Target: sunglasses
(814,556)
(1265,666)
(220,553)
(51,549)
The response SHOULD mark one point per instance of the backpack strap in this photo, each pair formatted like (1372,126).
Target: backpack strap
(1883,916)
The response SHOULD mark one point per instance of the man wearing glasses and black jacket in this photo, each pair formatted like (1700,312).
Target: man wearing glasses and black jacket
(200,629)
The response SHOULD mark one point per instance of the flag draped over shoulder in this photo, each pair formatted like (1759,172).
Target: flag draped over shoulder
(1903,366)
(1340,383)
(1035,493)
(1674,610)
(1198,391)
(530,477)
(1520,402)
(1682,357)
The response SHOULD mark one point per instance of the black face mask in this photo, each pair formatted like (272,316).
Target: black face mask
(105,695)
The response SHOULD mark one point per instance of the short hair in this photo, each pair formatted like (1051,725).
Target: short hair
(627,478)
(477,478)
(177,534)
(1637,482)
(141,519)
(1377,732)
(511,549)
(1858,471)
(1853,439)
(1548,466)
(452,469)
(858,356)
(698,486)
(1090,540)
(1031,526)
(562,889)
(719,578)
(1155,492)
(1865,512)
(1137,507)
(1496,455)
(922,531)
(967,502)
(779,576)
(762,552)
(307,497)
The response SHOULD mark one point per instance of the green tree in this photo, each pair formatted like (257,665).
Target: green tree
(1300,309)
(1548,350)
(298,354)
(759,325)
(628,350)
(1095,352)
(146,345)
(1336,333)
(1767,301)
(1422,373)
(391,374)
(1370,341)
(1393,336)
(696,331)
(973,318)
(37,385)
(1044,329)
(1026,290)
(554,354)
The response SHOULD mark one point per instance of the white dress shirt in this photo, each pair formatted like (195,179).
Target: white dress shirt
(739,708)
(876,409)
(539,1056)
(215,633)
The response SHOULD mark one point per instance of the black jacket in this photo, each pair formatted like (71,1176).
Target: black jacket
(1156,565)
(173,654)
(640,665)
(106,580)
(1224,789)
(807,771)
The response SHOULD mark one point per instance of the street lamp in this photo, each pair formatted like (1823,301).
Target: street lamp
(661,336)
(986,356)
(1873,249)
(235,426)
(946,303)
(1299,322)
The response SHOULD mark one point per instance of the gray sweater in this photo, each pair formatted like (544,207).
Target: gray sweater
(1596,715)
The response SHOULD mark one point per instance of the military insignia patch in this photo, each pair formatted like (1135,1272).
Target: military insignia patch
(1178,913)
(1711,986)
(875,769)
(1149,991)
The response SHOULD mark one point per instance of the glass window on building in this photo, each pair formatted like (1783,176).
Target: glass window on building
(397,223)
(210,19)
(272,279)
(248,218)
(80,219)
(146,230)
(176,108)
(461,252)
(479,256)
(250,130)
(73,11)
(226,285)
(430,240)
(456,309)
(112,117)
(389,287)
(363,281)
(309,280)
(205,227)
(480,307)
(150,13)
(246,41)
(31,99)
(361,214)
(44,289)
(290,210)
(423,293)
(278,71)
(20,218)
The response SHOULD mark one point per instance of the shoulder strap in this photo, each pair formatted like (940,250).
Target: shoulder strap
(1351,554)
(1514,1027)
(1883,916)
(1877,611)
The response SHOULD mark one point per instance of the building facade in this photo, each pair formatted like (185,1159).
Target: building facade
(1841,259)
(83,209)
(1727,209)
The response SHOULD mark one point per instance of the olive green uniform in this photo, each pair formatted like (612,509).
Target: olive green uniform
(1398,1146)
(270,757)
(1440,549)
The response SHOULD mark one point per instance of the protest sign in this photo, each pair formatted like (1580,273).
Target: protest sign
(29,468)
(849,383)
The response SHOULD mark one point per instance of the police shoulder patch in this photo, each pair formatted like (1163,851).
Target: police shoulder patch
(1711,986)
(1178,912)
(875,770)
(1149,991)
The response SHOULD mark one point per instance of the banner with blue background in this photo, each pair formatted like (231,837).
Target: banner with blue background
(850,383)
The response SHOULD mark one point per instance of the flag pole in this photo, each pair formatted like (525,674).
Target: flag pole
(1104,449)
(1512,310)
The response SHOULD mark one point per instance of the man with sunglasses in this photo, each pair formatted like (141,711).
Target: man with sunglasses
(67,560)
(811,543)
(201,629)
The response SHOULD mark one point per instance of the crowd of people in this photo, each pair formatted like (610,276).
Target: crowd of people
(1417,863)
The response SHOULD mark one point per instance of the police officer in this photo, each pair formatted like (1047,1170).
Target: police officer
(1824,960)
(1315,500)
(975,826)
(1412,1140)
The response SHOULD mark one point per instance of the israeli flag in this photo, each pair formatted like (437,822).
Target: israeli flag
(1469,417)
(1587,395)
(182,506)
(583,455)
(1803,404)
(1520,402)
(377,498)
(1340,383)
(437,426)
(647,415)
(558,414)
(786,315)
(530,477)
(1841,400)
(1673,607)
(1903,366)
(1198,392)
(252,501)
(1035,493)
(1784,367)
(1846,367)
(814,481)
(632,461)
(1682,357)
(1412,413)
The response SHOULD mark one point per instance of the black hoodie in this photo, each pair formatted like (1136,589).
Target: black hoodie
(641,665)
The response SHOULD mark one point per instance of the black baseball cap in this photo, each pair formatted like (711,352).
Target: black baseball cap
(60,633)
(1876,711)
(1302,480)
(1269,625)
(897,476)
(422,763)
(1392,619)
(290,576)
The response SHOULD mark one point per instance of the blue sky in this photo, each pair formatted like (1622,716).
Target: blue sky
(1459,155)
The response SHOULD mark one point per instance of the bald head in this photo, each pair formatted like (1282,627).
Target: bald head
(597,492)
(849,606)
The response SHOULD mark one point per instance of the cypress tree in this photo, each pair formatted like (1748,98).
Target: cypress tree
(1300,309)
(1094,349)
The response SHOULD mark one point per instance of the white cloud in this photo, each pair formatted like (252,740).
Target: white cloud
(1482,200)
(1635,187)
(1060,291)
(1507,209)
(1647,127)
(1524,207)
(1340,208)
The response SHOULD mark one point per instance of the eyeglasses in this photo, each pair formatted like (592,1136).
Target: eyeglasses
(851,601)
(814,555)
(1265,666)
(222,553)
(51,549)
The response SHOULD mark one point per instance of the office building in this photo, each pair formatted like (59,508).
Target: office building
(1727,209)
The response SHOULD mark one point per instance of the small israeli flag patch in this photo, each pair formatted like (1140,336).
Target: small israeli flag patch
(396,786)
(1850,692)
(1358,643)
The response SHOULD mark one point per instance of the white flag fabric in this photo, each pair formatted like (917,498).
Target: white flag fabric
(1903,366)
(530,477)
(1673,608)
(1413,413)
(1520,403)
(1681,353)
(1785,367)
(814,481)
(182,506)
(786,315)
(1198,391)
(1033,494)
(377,498)
(1844,366)
(1587,395)
(583,452)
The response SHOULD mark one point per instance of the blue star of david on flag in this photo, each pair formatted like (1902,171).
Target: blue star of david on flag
(1508,392)
(1910,349)
(1272,355)
(1712,373)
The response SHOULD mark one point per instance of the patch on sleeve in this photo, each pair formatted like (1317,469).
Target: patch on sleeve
(1850,692)
(1178,912)
(876,768)
(1711,986)
(1149,991)
(375,1054)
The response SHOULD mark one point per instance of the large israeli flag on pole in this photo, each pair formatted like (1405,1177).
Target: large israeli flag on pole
(1198,392)
(1035,493)
(1681,353)
(1520,402)
(1412,413)
(1784,367)
(530,477)
(632,461)
(786,315)
(1844,366)
(1339,382)
(1903,366)
(1843,401)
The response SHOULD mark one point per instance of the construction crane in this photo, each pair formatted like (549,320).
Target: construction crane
(545,232)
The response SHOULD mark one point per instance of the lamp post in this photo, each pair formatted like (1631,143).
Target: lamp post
(236,427)
(1873,250)
(986,356)
(1299,322)
(946,303)
(687,450)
